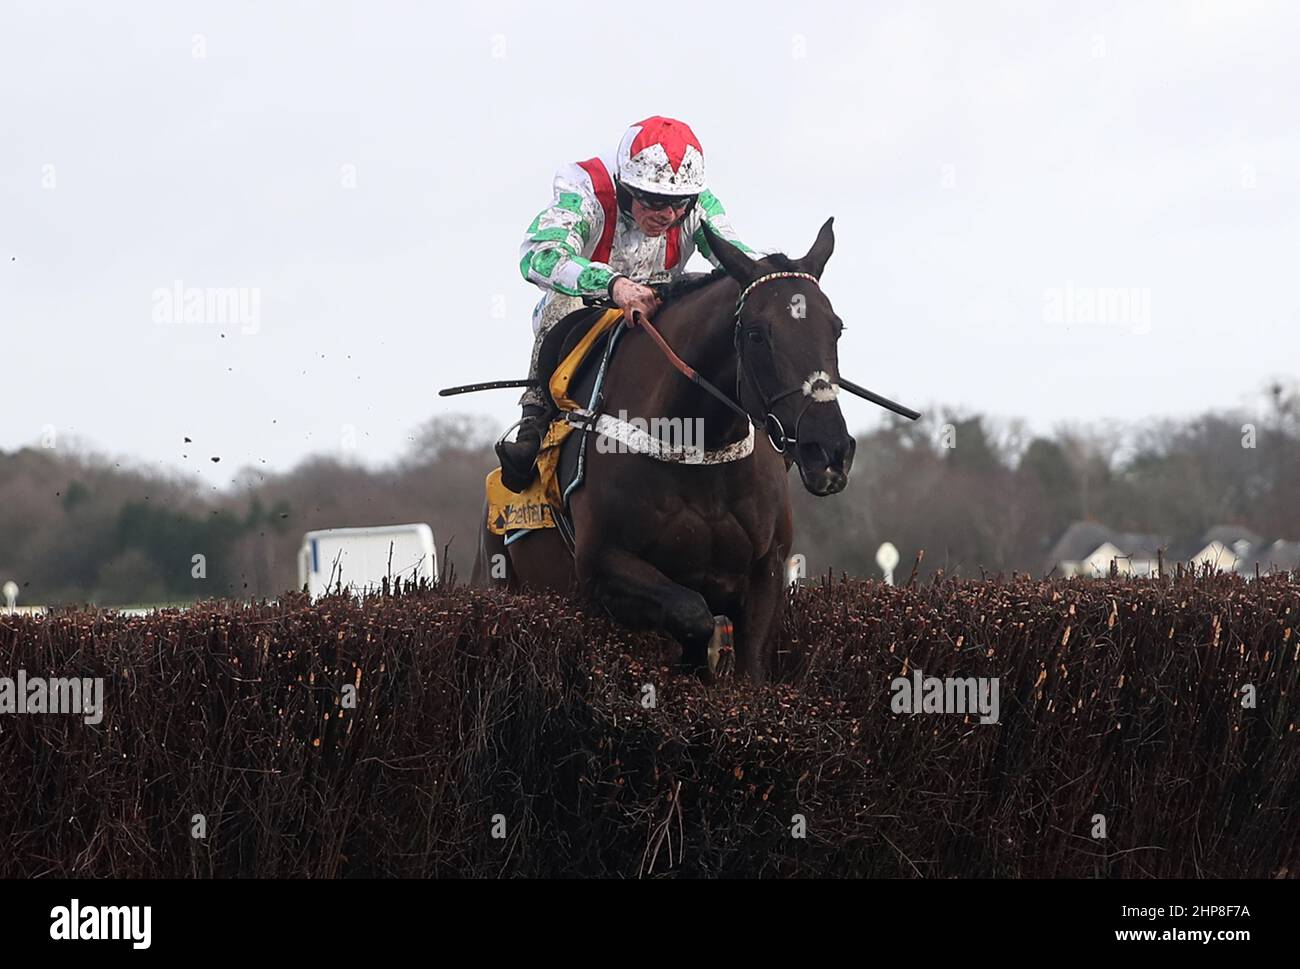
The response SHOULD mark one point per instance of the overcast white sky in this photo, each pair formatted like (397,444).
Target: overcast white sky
(976,157)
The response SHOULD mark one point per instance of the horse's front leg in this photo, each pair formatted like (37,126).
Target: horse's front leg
(639,595)
(756,626)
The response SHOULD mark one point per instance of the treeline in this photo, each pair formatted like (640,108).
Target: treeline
(974,493)
(977,494)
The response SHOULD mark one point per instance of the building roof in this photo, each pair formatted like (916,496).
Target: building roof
(1079,541)
(1139,545)
(1082,538)
(1283,554)
(1229,535)
(1185,549)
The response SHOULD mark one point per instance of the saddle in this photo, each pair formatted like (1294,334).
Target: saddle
(573,360)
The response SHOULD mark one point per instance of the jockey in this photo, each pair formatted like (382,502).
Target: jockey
(613,221)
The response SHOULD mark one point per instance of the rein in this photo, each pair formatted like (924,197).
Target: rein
(686,369)
(771,423)
(818,386)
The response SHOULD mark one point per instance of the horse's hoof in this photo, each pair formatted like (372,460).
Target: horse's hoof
(722,649)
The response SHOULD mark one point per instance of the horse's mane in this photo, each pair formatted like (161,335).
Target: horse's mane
(675,289)
(690,282)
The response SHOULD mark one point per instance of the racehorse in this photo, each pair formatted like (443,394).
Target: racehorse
(669,545)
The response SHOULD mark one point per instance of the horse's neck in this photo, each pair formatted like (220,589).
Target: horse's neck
(700,329)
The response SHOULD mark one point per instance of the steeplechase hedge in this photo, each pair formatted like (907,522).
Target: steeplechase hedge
(447,732)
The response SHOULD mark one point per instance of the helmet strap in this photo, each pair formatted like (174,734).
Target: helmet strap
(624,198)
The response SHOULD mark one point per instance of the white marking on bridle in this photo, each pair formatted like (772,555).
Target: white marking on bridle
(820,388)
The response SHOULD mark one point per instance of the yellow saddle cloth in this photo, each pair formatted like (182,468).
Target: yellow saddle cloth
(537,507)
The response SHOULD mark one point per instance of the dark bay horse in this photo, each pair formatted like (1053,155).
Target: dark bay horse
(670,545)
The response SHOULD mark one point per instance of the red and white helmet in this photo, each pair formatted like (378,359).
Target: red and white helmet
(661,156)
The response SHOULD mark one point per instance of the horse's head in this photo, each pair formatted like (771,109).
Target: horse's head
(786,334)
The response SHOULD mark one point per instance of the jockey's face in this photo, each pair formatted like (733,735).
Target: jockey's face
(655,222)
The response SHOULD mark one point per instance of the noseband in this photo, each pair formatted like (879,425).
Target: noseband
(810,388)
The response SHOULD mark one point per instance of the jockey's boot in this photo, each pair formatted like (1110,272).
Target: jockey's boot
(517,456)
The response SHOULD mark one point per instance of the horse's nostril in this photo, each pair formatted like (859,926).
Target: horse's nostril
(843,454)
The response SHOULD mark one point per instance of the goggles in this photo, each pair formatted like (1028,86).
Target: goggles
(658,203)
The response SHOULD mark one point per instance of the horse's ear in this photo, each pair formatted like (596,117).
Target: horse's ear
(821,250)
(738,265)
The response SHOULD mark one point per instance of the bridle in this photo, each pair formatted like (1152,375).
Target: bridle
(817,387)
(770,424)
(775,430)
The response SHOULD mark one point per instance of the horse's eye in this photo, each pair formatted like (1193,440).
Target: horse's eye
(755,336)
